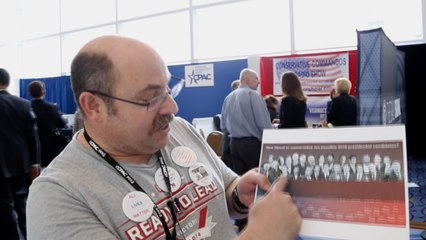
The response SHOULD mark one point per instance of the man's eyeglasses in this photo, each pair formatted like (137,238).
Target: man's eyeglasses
(153,103)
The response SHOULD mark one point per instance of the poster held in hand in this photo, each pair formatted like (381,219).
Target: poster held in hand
(347,182)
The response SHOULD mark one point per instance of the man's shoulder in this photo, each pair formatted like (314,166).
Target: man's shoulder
(46,103)
(15,99)
(45,106)
(233,94)
(251,94)
(52,106)
(179,122)
(182,130)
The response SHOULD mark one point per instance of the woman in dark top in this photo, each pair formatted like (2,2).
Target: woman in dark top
(293,104)
(343,111)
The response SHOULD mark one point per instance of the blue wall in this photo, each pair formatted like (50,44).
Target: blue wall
(198,102)
(193,102)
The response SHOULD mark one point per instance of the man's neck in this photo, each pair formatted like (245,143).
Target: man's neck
(135,159)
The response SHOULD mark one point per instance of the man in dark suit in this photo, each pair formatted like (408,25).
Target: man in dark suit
(343,110)
(49,121)
(19,158)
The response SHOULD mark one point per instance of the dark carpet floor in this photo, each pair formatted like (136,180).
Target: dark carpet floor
(417,195)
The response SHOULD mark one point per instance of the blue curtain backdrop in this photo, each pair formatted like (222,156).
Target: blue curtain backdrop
(58,90)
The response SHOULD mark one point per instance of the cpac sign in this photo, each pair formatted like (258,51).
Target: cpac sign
(199,75)
(194,78)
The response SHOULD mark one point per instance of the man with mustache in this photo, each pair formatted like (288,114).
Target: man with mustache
(137,172)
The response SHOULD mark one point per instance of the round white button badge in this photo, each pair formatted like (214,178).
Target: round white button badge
(200,174)
(183,156)
(174,177)
(137,206)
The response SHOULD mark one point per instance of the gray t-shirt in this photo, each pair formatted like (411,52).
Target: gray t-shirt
(80,196)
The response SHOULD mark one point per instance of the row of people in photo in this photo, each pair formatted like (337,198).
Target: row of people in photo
(324,167)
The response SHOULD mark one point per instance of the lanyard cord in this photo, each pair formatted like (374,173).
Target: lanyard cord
(166,176)
(136,186)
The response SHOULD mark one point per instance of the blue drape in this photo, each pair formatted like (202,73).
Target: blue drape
(58,90)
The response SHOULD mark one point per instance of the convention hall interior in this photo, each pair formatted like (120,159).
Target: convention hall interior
(39,40)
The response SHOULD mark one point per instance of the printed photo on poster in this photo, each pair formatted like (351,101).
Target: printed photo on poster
(342,179)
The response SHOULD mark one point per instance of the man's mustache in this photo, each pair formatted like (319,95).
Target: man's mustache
(163,120)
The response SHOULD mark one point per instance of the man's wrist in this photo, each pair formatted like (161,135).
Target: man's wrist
(239,207)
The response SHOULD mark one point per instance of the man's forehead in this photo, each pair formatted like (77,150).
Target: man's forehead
(140,87)
(141,72)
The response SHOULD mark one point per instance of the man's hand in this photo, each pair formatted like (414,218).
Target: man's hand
(247,185)
(273,216)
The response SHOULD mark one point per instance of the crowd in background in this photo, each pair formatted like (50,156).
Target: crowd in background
(245,114)
(29,140)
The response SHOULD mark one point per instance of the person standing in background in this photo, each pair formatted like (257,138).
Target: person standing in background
(343,111)
(19,159)
(49,121)
(273,105)
(235,84)
(293,104)
(244,117)
(225,147)
(332,95)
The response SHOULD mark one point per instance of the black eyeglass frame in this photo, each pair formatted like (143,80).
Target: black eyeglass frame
(173,92)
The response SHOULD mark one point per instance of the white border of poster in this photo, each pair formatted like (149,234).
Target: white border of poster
(201,75)
(345,139)
(317,73)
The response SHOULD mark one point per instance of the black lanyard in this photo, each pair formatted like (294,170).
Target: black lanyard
(172,205)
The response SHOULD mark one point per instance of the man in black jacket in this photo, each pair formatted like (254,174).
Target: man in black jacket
(19,158)
(49,121)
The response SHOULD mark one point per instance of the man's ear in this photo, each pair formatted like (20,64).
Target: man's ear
(91,105)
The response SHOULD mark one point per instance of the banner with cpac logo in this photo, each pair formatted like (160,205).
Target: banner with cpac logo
(317,73)
(199,75)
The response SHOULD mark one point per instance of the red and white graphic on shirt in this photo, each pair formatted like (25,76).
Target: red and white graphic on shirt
(192,199)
